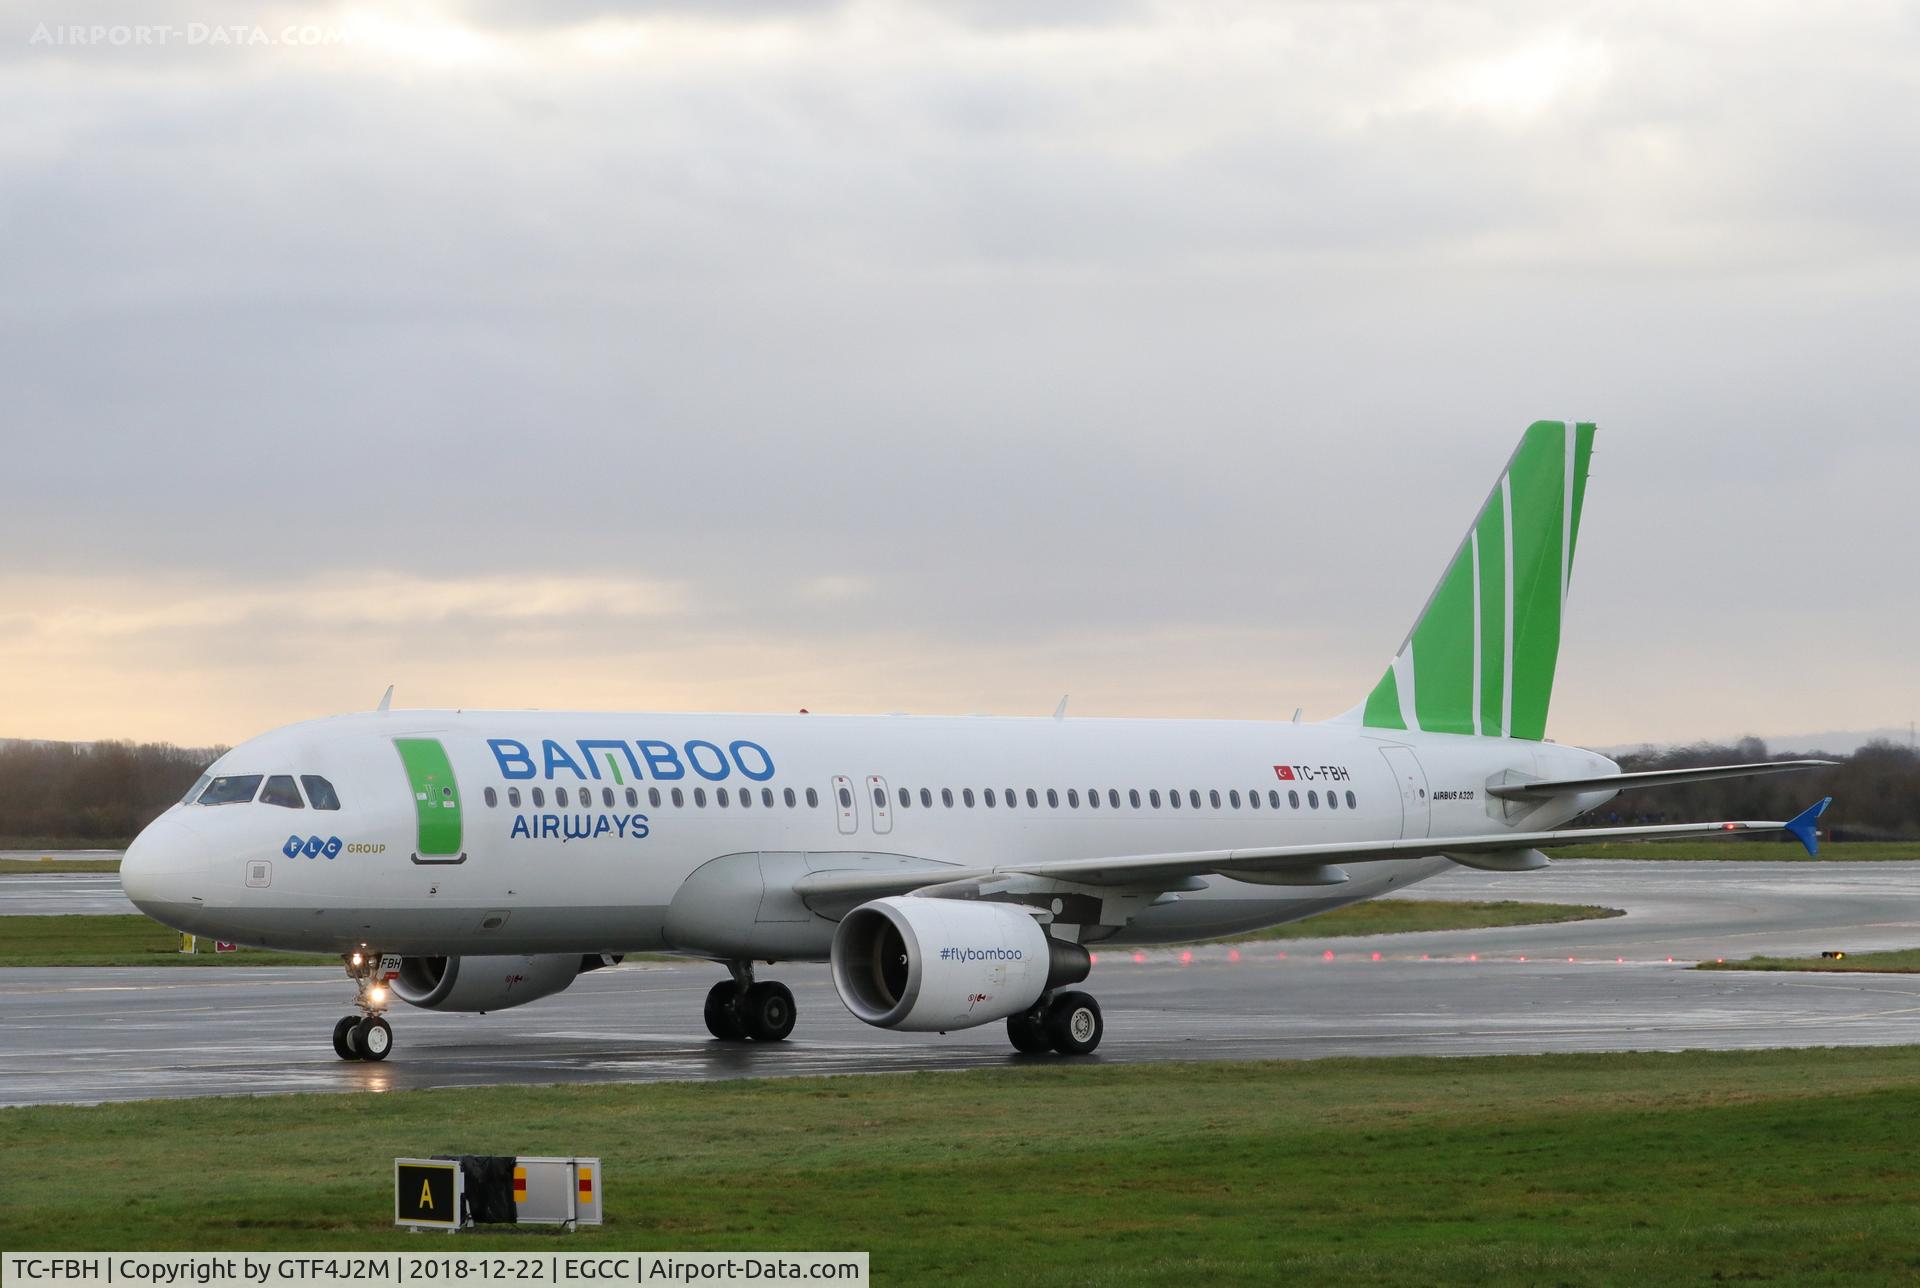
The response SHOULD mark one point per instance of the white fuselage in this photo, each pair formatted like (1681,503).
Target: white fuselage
(576,832)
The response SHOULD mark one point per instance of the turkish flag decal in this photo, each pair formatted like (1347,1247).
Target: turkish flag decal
(1283,772)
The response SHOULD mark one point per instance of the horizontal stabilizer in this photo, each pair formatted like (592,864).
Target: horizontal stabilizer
(1649,778)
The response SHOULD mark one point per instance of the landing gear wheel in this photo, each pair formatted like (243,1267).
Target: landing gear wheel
(1073,1023)
(723,1012)
(1028,1032)
(767,1011)
(343,1038)
(373,1037)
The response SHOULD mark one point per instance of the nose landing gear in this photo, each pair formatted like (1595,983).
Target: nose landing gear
(738,1009)
(367,1036)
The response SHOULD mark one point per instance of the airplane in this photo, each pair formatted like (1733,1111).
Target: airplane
(954,872)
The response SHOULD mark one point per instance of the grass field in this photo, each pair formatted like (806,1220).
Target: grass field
(139,941)
(18,867)
(1405,916)
(1747,851)
(131,940)
(1772,1166)
(1905,961)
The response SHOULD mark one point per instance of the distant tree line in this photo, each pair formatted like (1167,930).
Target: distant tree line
(1875,790)
(99,793)
(103,793)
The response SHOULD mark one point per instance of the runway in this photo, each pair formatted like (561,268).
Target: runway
(85,1035)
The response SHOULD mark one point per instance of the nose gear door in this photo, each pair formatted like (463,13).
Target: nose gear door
(436,799)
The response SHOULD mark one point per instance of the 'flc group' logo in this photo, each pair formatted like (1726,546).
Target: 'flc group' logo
(311,846)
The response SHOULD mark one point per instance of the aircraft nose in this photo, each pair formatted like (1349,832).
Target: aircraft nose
(165,870)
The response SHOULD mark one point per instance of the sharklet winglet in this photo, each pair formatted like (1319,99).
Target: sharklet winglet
(1802,825)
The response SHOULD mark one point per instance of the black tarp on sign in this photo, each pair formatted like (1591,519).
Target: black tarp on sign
(488,1182)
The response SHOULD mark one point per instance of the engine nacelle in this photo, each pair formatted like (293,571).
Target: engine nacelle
(487,983)
(923,965)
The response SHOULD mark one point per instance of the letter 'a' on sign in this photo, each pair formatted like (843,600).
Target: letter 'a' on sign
(436,799)
(426,1191)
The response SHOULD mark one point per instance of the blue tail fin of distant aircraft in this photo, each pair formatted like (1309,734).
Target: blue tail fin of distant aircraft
(1803,828)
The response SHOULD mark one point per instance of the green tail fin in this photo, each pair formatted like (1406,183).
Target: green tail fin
(1480,658)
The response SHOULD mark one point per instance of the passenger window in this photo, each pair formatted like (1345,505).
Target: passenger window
(1093,798)
(813,799)
(1351,804)
(1053,799)
(513,797)
(320,792)
(1033,799)
(232,789)
(988,796)
(281,791)
(1233,799)
(720,797)
(1073,798)
(766,797)
(700,797)
(906,798)
(788,793)
(1173,799)
(606,797)
(846,799)
(633,798)
(1293,800)
(679,799)
(560,797)
(1213,796)
(1313,800)
(1333,800)
(1153,797)
(1133,797)
(1253,799)
(1113,797)
(966,795)
(492,797)
(946,797)
(539,799)
(746,798)
(653,797)
(879,798)
(1193,797)
(1273,797)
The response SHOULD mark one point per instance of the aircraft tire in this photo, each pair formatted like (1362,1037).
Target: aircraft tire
(343,1037)
(373,1038)
(768,1011)
(722,1012)
(1074,1026)
(1028,1032)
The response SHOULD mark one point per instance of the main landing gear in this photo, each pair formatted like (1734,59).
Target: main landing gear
(739,1010)
(366,1036)
(1067,1022)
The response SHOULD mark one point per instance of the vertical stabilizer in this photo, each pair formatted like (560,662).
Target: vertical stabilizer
(1481,655)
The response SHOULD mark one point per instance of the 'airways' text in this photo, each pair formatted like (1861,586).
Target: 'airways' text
(579,827)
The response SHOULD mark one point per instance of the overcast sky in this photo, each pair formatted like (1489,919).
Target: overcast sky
(879,357)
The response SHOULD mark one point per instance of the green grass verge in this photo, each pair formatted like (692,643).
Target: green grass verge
(1407,916)
(123,941)
(1776,1166)
(56,867)
(1904,961)
(1746,851)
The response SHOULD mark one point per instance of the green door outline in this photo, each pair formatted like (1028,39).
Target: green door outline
(436,799)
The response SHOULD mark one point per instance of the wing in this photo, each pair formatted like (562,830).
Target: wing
(1535,789)
(1277,865)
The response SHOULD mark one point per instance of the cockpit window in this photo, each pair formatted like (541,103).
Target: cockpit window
(193,792)
(231,789)
(281,791)
(320,791)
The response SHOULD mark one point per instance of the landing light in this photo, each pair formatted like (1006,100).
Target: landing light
(379,995)
(358,959)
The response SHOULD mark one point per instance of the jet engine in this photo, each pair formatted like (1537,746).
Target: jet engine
(925,964)
(489,983)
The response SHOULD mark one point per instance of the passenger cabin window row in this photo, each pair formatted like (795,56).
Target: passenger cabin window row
(279,789)
(1011,798)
